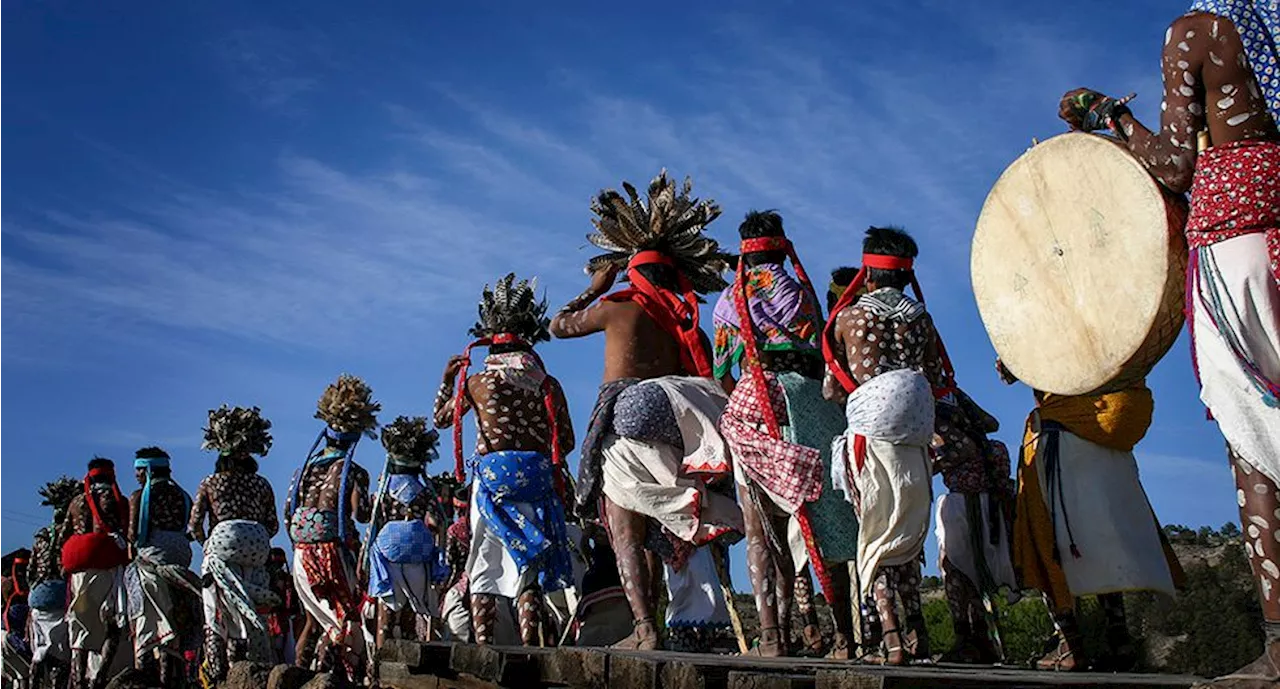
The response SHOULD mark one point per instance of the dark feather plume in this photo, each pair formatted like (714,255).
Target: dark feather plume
(513,307)
(411,439)
(671,221)
(237,430)
(347,406)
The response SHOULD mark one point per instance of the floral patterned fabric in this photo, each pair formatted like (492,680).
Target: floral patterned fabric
(786,316)
(1236,191)
(512,476)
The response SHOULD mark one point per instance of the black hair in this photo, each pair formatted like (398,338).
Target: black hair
(243,463)
(403,470)
(152,452)
(661,275)
(161,472)
(889,241)
(509,347)
(842,276)
(101,463)
(762,224)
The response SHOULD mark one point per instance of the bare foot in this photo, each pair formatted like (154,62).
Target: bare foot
(813,642)
(643,638)
(1061,659)
(771,644)
(841,649)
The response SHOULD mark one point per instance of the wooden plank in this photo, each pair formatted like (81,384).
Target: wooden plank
(633,672)
(847,679)
(757,680)
(574,667)
(684,675)
(482,662)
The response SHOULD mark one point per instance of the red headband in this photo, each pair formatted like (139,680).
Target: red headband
(759,244)
(506,338)
(882,262)
(102,471)
(887,262)
(651,257)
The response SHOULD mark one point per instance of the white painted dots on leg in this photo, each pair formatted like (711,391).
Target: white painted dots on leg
(1271,569)
(1265,585)
(1258,520)
(1240,497)
(1253,531)
(1261,488)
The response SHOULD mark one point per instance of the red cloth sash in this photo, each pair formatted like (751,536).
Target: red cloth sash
(676,314)
(97,549)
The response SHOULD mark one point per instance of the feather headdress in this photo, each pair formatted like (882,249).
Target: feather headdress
(59,494)
(237,430)
(513,307)
(671,222)
(347,406)
(410,440)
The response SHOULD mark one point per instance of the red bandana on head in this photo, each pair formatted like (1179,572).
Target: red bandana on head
(828,333)
(122,506)
(548,401)
(676,314)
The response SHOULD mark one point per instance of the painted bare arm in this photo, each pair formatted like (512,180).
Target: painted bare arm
(361,506)
(442,410)
(582,315)
(564,422)
(199,507)
(135,511)
(1169,153)
(270,518)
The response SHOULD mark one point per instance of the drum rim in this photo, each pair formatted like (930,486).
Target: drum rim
(985,283)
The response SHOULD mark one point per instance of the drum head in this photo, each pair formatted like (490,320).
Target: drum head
(1071,262)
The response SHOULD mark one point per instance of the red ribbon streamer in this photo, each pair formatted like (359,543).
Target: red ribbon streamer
(828,333)
(548,399)
(752,359)
(677,315)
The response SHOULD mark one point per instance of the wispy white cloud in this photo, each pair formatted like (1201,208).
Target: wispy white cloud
(272,66)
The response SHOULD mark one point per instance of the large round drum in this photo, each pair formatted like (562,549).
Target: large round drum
(1078,266)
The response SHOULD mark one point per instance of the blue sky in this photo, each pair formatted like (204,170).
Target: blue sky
(235,202)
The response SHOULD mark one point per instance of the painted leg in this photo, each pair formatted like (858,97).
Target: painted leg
(886,594)
(103,675)
(304,652)
(214,667)
(961,597)
(529,614)
(627,530)
(1259,500)
(839,598)
(1067,652)
(916,638)
(784,581)
(803,597)
(79,669)
(1121,654)
(484,615)
(384,624)
(763,575)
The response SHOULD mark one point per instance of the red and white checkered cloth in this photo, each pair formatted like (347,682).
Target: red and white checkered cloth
(791,472)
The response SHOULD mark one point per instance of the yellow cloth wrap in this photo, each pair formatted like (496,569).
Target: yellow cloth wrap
(1115,420)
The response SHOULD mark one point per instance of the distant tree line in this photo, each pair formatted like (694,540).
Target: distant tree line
(1204,536)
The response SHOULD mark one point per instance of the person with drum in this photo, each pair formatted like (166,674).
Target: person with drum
(1220,79)
(884,362)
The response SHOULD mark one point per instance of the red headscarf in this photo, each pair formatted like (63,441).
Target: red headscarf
(828,333)
(676,314)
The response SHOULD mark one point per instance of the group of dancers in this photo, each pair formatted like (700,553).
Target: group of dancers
(813,435)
